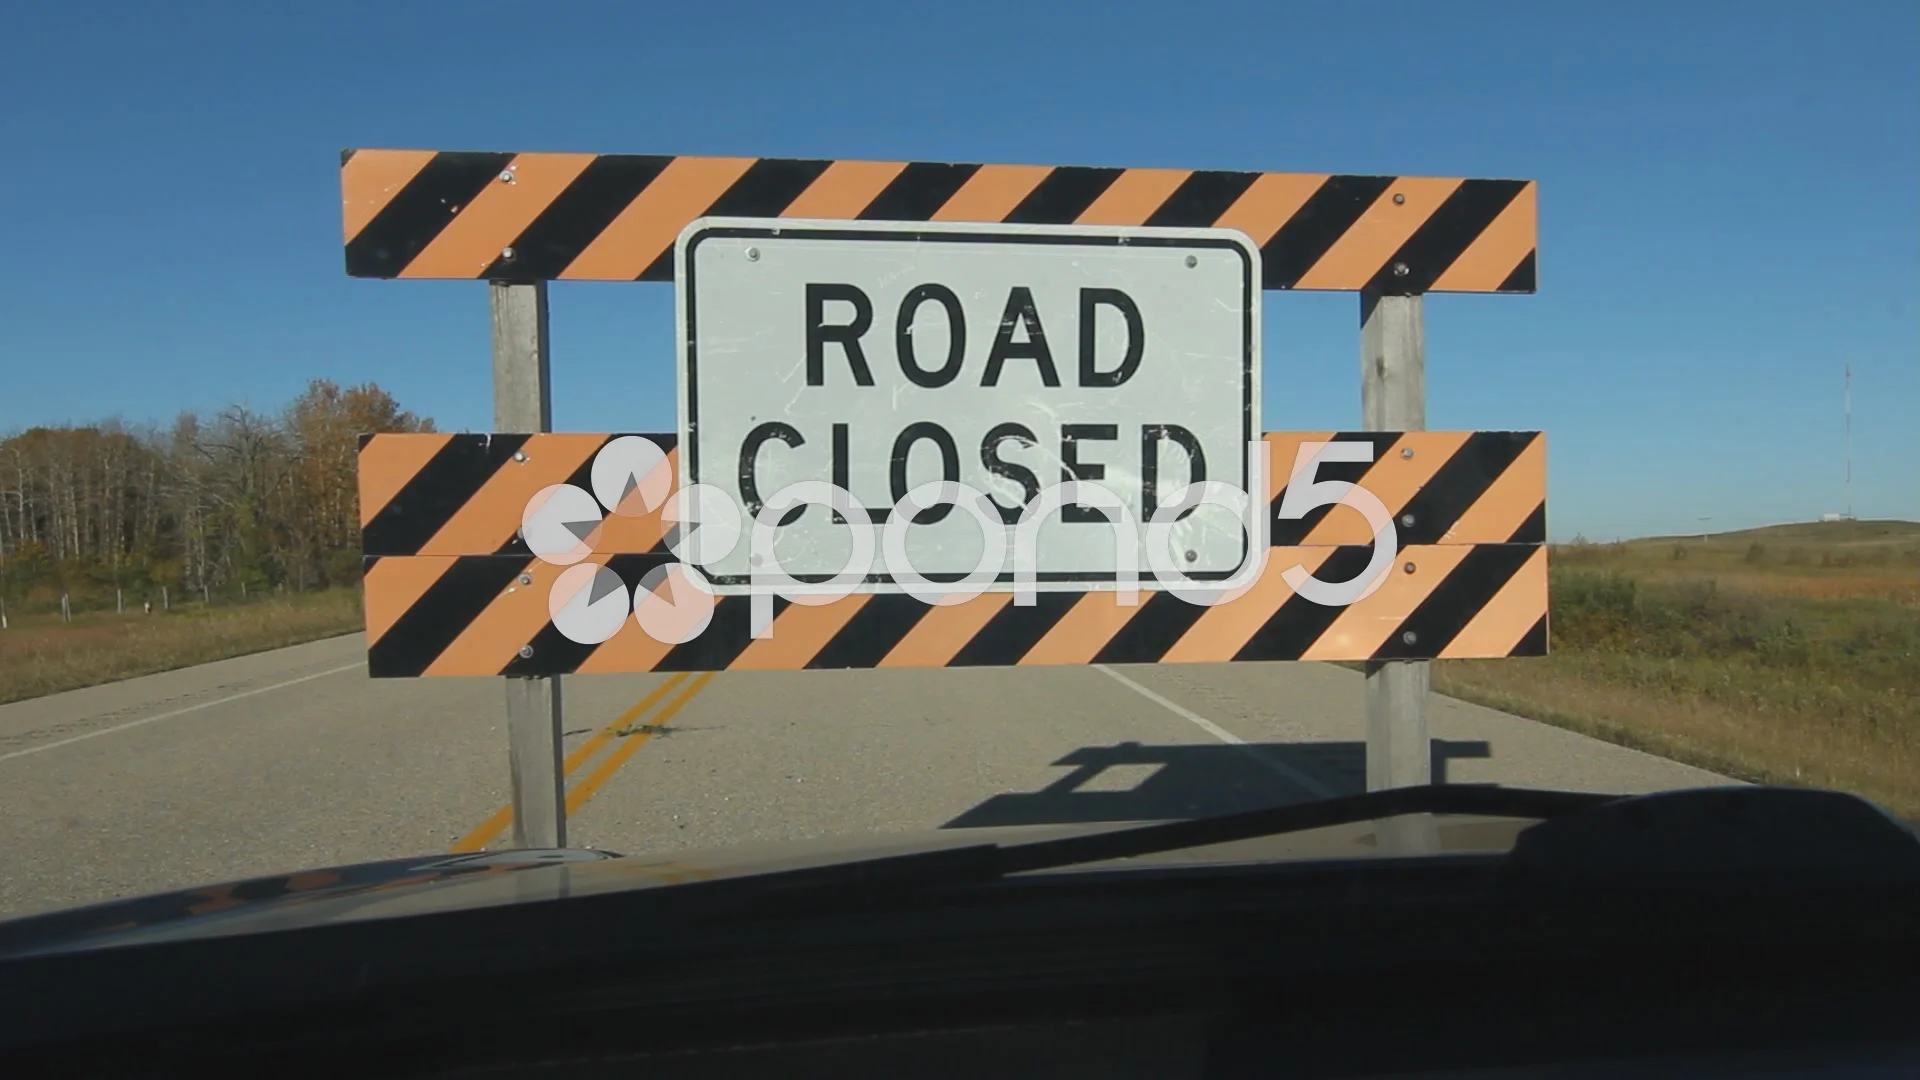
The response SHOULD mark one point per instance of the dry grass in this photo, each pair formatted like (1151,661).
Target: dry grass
(1785,656)
(41,655)
(1763,746)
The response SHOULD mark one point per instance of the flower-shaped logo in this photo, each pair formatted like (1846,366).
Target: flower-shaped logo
(632,479)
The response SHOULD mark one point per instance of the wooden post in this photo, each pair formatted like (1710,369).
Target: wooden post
(166,602)
(1393,397)
(523,402)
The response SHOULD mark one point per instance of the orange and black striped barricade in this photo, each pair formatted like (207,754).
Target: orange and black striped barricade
(614,217)
(453,589)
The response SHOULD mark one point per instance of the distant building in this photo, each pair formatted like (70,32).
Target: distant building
(1832,516)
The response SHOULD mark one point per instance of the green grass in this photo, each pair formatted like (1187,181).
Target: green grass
(40,655)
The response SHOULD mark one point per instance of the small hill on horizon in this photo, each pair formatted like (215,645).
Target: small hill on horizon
(1891,532)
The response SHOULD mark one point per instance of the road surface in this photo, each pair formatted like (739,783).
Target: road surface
(294,759)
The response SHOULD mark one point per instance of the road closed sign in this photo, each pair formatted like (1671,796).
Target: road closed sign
(893,405)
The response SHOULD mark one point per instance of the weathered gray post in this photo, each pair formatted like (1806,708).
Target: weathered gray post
(523,402)
(1393,397)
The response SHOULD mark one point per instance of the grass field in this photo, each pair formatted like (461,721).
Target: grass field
(1789,654)
(42,655)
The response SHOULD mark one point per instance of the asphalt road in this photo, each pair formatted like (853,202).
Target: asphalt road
(295,759)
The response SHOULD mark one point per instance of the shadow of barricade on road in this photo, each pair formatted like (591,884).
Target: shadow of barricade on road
(1137,782)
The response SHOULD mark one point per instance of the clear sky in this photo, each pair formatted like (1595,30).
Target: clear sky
(1729,200)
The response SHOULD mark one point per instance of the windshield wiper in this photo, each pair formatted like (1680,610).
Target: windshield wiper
(1483,799)
(1579,838)
(978,864)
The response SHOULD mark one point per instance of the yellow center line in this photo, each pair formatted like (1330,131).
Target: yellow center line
(592,746)
(479,838)
(604,771)
(490,829)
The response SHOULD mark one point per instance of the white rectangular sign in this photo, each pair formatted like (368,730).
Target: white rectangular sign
(881,356)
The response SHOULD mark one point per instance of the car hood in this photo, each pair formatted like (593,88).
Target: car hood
(442,883)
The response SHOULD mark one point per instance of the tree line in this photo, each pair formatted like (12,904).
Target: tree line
(216,503)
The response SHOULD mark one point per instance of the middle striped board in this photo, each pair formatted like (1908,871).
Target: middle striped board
(451,588)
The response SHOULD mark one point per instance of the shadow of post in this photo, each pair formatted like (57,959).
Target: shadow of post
(1136,782)
(1445,750)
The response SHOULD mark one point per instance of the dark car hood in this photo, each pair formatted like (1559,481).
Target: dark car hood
(440,883)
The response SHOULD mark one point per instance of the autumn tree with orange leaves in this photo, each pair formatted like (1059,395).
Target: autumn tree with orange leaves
(241,496)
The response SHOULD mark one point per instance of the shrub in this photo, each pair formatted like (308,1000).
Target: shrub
(1591,607)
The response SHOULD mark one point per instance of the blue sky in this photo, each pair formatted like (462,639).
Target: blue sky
(1729,200)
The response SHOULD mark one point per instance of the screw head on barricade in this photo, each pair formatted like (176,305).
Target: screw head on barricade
(526,652)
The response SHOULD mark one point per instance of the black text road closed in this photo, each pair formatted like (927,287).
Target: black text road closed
(1005,358)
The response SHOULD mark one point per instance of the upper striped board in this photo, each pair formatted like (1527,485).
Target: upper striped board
(614,217)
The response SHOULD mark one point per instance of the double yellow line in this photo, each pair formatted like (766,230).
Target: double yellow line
(577,796)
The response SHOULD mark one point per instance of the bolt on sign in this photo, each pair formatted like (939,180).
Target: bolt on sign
(944,415)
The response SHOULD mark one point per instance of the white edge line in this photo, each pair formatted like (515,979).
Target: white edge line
(177,712)
(1280,768)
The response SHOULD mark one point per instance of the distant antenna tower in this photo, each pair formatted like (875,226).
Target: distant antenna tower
(1849,389)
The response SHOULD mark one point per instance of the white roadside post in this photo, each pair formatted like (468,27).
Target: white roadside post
(523,403)
(1393,397)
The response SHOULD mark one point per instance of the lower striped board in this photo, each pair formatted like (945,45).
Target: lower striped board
(440,615)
